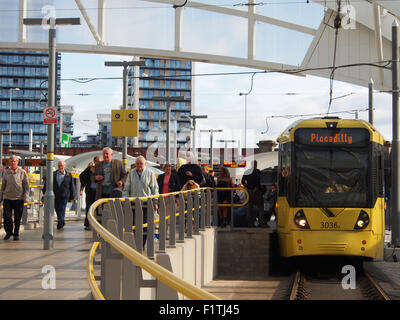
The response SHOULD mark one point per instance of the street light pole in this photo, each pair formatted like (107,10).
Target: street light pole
(124,64)
(226,146)
(395,154)
(193,118)
(48,228)
(168,111)
(11,89)
(211,131)
(245,110)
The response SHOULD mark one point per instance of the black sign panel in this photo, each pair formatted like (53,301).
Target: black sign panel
(355,137)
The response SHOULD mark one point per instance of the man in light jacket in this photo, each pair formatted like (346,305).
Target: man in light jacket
(14,192)
(141,182)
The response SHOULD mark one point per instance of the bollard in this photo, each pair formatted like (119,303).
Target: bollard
(112,266)
(189,215)
(209,208)
(181,218)
(196,216)
(172,221)
(162,225)
(139,225)
(150,231)
(203,210)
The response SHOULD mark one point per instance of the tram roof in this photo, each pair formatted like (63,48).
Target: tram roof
(320,122)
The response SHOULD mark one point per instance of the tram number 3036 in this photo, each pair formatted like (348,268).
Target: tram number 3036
(329,225)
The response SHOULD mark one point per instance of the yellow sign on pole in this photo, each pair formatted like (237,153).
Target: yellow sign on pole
(124,123)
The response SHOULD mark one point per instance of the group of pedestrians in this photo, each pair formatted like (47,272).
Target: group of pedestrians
(107,178)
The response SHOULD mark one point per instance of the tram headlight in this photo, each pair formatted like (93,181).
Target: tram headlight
(362,221)
(300,220)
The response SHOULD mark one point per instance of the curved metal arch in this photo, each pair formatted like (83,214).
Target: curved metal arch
(103,31)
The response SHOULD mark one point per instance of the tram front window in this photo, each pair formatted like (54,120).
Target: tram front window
(331,177)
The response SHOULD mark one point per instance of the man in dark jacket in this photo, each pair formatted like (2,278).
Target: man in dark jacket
(87,182)
(251,181)
(191,171)
(64,191)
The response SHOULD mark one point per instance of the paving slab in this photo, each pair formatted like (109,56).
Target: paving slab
(22,276)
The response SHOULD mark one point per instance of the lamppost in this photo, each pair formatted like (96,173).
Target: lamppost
(192,119)
(125,64)
(211,131)
(245,110)
(11,89)
(226,146)
(168,101)
(48,228)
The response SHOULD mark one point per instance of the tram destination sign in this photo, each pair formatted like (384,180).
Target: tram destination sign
(332,136)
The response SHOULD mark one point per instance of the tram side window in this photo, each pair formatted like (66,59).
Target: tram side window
(284,169)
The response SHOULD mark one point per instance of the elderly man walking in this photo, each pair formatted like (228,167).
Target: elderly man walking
(64,191)
(14,192)
(109,174)
(141,182)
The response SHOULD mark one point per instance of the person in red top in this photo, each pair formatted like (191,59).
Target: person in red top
(168,181)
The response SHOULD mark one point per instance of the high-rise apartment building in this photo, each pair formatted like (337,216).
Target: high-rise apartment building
(162,78)
(23,95)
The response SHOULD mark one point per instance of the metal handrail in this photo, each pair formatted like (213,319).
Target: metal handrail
(167,277)
(90,273)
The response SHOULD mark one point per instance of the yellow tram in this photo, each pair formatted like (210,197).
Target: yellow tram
(331,189)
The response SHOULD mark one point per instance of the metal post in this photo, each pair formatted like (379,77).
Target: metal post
(1,156)
(211,131)
(48,228)
(9,144)
(124,64)
(371,102)
(168,140)
(395,143)
(49,195)
(245,122)
(124,107)
(193,129)
(211,151)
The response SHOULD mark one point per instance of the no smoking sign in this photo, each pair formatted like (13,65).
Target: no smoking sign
(50,115)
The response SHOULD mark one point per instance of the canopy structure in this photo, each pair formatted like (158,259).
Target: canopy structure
(276,36)
(79,162)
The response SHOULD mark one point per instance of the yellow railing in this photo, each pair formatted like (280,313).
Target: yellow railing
(167,277)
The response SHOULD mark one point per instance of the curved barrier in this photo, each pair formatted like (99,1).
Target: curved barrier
(197,201)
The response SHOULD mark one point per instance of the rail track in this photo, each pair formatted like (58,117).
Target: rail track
(317,286)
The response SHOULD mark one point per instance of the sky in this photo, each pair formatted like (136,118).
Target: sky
(272,95)
(218,97)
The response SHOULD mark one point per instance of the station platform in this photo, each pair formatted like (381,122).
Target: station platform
(22,276)
(22,262)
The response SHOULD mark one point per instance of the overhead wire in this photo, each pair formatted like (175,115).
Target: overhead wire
(291,116)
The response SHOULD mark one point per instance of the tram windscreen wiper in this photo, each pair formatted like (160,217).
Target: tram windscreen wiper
(328,212)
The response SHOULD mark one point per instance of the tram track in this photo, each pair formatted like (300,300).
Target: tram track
(316,286)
